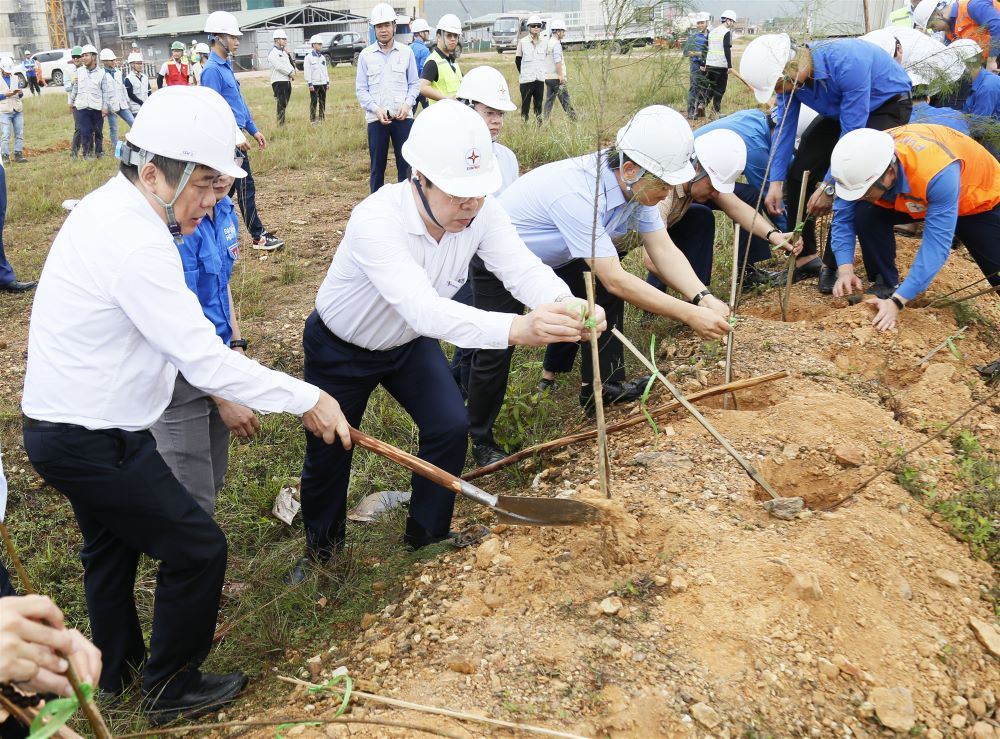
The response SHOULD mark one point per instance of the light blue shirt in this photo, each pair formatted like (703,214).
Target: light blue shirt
(386,80)
(552,208)
(850,79)
(939,227)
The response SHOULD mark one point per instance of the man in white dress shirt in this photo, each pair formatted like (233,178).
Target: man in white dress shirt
(386,302)
(112,323)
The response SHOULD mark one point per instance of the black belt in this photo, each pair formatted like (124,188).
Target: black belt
(347,344)
(35,425)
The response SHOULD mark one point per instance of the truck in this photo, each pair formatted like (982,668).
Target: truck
(338,47)
(585,28)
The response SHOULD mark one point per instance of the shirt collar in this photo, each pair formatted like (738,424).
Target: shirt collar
(819,71)
(130,192)
(613,195)
(901,185)
(411,216)
(214,57)
(378,47)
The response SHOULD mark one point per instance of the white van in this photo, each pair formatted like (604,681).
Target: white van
(54,64)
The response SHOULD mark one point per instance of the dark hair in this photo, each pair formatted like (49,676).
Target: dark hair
(172,169)
(616,158)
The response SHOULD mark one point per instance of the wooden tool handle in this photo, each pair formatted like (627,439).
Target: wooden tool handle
(415,464)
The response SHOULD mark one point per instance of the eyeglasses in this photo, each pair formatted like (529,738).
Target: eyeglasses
(465,201)
(535,25)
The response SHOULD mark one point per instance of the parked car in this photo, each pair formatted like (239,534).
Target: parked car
(337,47)
(54,64)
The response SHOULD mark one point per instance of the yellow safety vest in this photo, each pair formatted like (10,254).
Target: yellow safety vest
(902,17)
(449,77)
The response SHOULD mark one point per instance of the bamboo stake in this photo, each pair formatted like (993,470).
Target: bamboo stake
(730,337)
(396,703)
(629,422)
(940,298)
(603,460)
(985,291)
(698,417)
(790,263)
(957,335)
(189,728)
(27,715)
(908,452)
(89,709)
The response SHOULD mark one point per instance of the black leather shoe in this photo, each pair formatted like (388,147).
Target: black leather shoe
(757,277)
(545,385)
(613,393)
(17,287)
(827,279)
(486,453)
(416,536)
(812,268)
(208,693)
(301,569)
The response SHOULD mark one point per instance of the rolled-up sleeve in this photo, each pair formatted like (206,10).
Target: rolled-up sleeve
(151,278)
(939,228)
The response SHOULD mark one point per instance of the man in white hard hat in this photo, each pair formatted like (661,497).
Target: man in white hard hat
(387,86)
(224,34)
(530,62)
(910,173)
(175,71)
(385,304)
(112,323)
(442,75)
(421,31)
(118,103)
(11,112)
(69,85)
(92,99)
(695,46)
(201,52)
(978,20)
(982,106)
(553,209)
(719,59)
(282,72)
(137,84)
(484,89)
(556,74)
(316,74)
(851,84)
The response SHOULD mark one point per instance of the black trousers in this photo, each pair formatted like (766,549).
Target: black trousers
(531,96)
(317,100)
(813,155)
(416,374)
(127,503)
(716,81)
(33,86)
(246,196)
(556,90)
(282,92)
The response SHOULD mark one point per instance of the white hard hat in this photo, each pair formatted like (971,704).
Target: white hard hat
(107,55)
(450,23)
(135,56)
(534,20)
(279,34)
(722,154)
(859,158)
(317,39)
(382,13)
(455,152)
(924,10)
(487,86)
(729,15)
(764,61)
(202,48)
(702,18)
(557,24)
(88,49)
(419,25)
(222,22)
(7,64)
(806,116)
(188,124)
(660,141)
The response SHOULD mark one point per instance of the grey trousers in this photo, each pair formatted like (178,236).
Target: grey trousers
(194,442)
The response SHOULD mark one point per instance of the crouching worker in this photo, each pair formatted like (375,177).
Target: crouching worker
(386,303)
(112,324)
(916,172)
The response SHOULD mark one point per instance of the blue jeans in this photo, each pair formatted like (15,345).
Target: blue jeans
(8,121)
(6,271)
(126,115)
(379,136)
(696,90)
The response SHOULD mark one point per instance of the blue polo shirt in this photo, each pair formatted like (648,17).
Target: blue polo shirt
(552,208)
(208,256)
(851,78)
(927,113)
(420,53)
(939,227)
(752,126)
(218,74)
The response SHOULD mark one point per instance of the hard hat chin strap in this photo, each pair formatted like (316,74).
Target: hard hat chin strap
(423,200)
(139,158)
(629,181)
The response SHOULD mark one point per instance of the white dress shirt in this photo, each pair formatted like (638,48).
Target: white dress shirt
(390,282)
(507,161)
(281,65)
(113,321)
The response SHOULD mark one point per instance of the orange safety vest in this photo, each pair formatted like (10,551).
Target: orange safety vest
(177,74)
(966,27)
(924,149)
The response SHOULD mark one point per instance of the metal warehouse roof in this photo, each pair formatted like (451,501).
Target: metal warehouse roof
(249,20)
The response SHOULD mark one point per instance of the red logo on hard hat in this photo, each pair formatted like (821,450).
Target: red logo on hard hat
(473,158)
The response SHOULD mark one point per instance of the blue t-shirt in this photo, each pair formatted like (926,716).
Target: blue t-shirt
(208,256)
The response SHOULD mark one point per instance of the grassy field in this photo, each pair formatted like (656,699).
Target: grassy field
(308,179)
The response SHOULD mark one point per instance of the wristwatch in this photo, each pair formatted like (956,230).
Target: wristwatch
(899,303)
(696,300)
(238,344)
(828,188)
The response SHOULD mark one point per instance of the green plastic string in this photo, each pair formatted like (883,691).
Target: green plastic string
(55,714)
(328,685)
(587,322)
(649,386)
